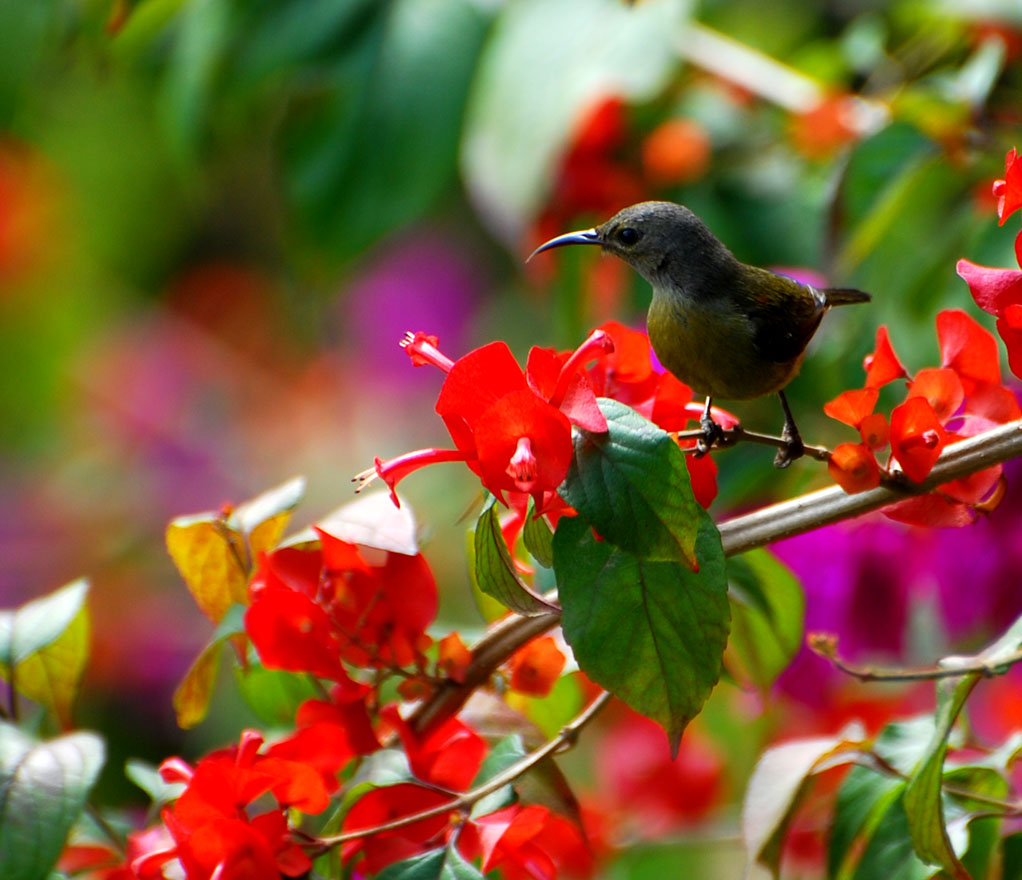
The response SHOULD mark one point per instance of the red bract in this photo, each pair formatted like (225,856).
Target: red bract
(852,407)
(854,468)
(536,667)
(993,289)
(532,842)
(512,428)
(1008,191)
(917,437)
(447,755)
(882,366)
(1009,325)
(941,388)
(875,431)
(967,348)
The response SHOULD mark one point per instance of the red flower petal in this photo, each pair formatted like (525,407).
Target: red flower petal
(851,407)
(290,631)
(932,511)
(987,406)
(479,380)
(1010,328)
(917,437)
(536,667)
(854,468)
(992,289)
(1009,190)
(968,348)
(702,472)
(874,431)
(448,755)
(941,387)
(882,366)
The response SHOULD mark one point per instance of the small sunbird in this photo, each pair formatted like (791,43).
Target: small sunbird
(724,328)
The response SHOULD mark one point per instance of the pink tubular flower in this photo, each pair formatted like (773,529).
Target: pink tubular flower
(511,427)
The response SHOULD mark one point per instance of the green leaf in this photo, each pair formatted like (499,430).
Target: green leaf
(888,853)
(387,120)
(652,633)
(43,787)
(923,802)
(438,864)
(148,778)
(767,614)
(495,569)
(778,784)
(523,109)
(539,539)
(863,800)
(40,622)
(632,485)
(504,754)
(274,695)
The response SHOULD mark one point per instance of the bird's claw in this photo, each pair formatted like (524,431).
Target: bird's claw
(793,448)
(713,435)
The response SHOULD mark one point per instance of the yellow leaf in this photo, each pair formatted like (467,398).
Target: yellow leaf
(211,558)
(191,699)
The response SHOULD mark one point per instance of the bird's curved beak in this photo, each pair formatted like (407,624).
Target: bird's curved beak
(583,236)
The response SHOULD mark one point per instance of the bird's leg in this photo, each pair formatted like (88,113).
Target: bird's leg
(793,446)
(712,432)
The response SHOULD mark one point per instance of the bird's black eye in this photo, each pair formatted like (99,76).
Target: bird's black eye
(628,235)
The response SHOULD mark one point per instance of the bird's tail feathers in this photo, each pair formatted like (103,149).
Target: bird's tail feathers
(843,296)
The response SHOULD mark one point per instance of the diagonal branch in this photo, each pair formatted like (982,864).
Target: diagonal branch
(782,520)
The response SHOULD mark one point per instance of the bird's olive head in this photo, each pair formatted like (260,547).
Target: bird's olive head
(649,236)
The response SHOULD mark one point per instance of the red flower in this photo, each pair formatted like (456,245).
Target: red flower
(512,428)
(448,755)
(536,667)
(532,842)
(917,437)
(967,348)
(854,468)
(941,388)
(1009,325)
(882,366)
(1008,191)
(875,431)
(453,657)
(852,407)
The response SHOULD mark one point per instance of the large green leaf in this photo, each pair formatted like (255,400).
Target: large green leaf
(43,787)
(495,569)
(546,64)
(650,632)
(386,120)
(631,483)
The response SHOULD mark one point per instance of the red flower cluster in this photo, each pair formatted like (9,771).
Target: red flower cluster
(214,834)
(999,291)
(314,607)
(961,398)
(513,427)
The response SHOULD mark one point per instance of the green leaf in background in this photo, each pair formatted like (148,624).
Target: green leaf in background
(439,864)
(504,754)
(147,777)
(778,784)
(523,109)
(539,538)
(388,122)
(863,800)
(274,695)
(650,632)
(495,569)
(767,614)
(632,485)
(44,648)
(43,787)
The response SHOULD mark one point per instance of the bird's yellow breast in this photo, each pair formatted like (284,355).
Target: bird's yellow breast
(711,348)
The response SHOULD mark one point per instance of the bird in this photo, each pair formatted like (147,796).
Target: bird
(726,329)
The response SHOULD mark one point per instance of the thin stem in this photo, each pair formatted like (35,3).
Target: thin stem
(732,436)
(565,739)
(825,647)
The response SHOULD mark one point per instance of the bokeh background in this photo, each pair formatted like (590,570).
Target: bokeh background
(217,219)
